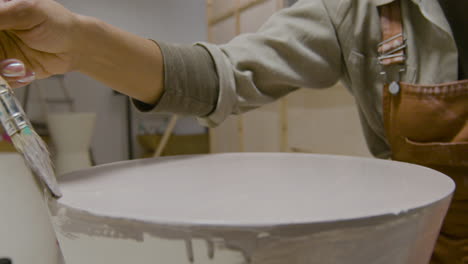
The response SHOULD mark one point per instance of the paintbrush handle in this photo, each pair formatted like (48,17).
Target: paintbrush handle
(12,115)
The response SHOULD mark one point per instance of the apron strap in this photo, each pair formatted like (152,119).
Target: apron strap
(392,48)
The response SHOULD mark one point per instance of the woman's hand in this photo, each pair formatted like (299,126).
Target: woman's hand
(39,33)
(49,39)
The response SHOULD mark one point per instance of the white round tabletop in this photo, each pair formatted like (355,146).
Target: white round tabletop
(252,189)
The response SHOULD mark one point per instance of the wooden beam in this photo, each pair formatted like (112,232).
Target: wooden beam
(240,118)
(209,36)
(166,136)
(232,12)
(209,15)
(284,124)
(279,4)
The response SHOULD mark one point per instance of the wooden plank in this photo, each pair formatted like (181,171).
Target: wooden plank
(224,138)
(279,4)
(262,126)
(223,32)
(209,15)
(222,7)
(253,18)
(232,11)
(284,125)
(262,129)
(325,121)
(240,120)
(284,107)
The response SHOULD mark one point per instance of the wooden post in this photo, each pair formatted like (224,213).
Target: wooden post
(209,16)
(236,12)
(166,136)
(218,18)
(209,36)
(284,125)
(279,4)
(240,118)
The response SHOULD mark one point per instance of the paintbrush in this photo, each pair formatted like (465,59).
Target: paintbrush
(25,139)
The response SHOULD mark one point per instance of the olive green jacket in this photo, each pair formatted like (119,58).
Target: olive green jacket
(316,43)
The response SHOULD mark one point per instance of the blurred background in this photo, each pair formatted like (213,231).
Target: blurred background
(81,117)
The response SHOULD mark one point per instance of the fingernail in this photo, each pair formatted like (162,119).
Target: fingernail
(14,69)
(27,79)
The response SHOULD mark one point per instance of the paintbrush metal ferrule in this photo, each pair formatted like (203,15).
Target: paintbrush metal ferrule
(11,116)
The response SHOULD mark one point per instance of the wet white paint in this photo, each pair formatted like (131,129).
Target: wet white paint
(270,208)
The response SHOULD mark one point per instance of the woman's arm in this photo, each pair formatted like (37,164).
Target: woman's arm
(128,63)
(297,47)
(50,40)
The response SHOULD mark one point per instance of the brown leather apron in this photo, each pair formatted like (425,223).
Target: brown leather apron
(428,125)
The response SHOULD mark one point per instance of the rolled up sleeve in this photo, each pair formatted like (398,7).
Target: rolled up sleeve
(190,82)
(296,47)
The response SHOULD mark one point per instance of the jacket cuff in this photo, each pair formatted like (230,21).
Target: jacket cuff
(190,82)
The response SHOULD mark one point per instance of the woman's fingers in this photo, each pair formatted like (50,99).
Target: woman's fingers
(23,81)
(15,73)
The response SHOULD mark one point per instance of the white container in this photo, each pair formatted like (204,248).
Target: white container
(26,233)
(71,135)
(252,208)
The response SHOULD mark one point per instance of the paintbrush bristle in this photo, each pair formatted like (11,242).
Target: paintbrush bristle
(37,157)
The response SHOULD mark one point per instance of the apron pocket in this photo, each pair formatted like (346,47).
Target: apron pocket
(436,153)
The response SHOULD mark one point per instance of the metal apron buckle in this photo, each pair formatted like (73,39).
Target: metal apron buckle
(389,55)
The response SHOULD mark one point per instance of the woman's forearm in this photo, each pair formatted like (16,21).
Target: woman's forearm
(128,63)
